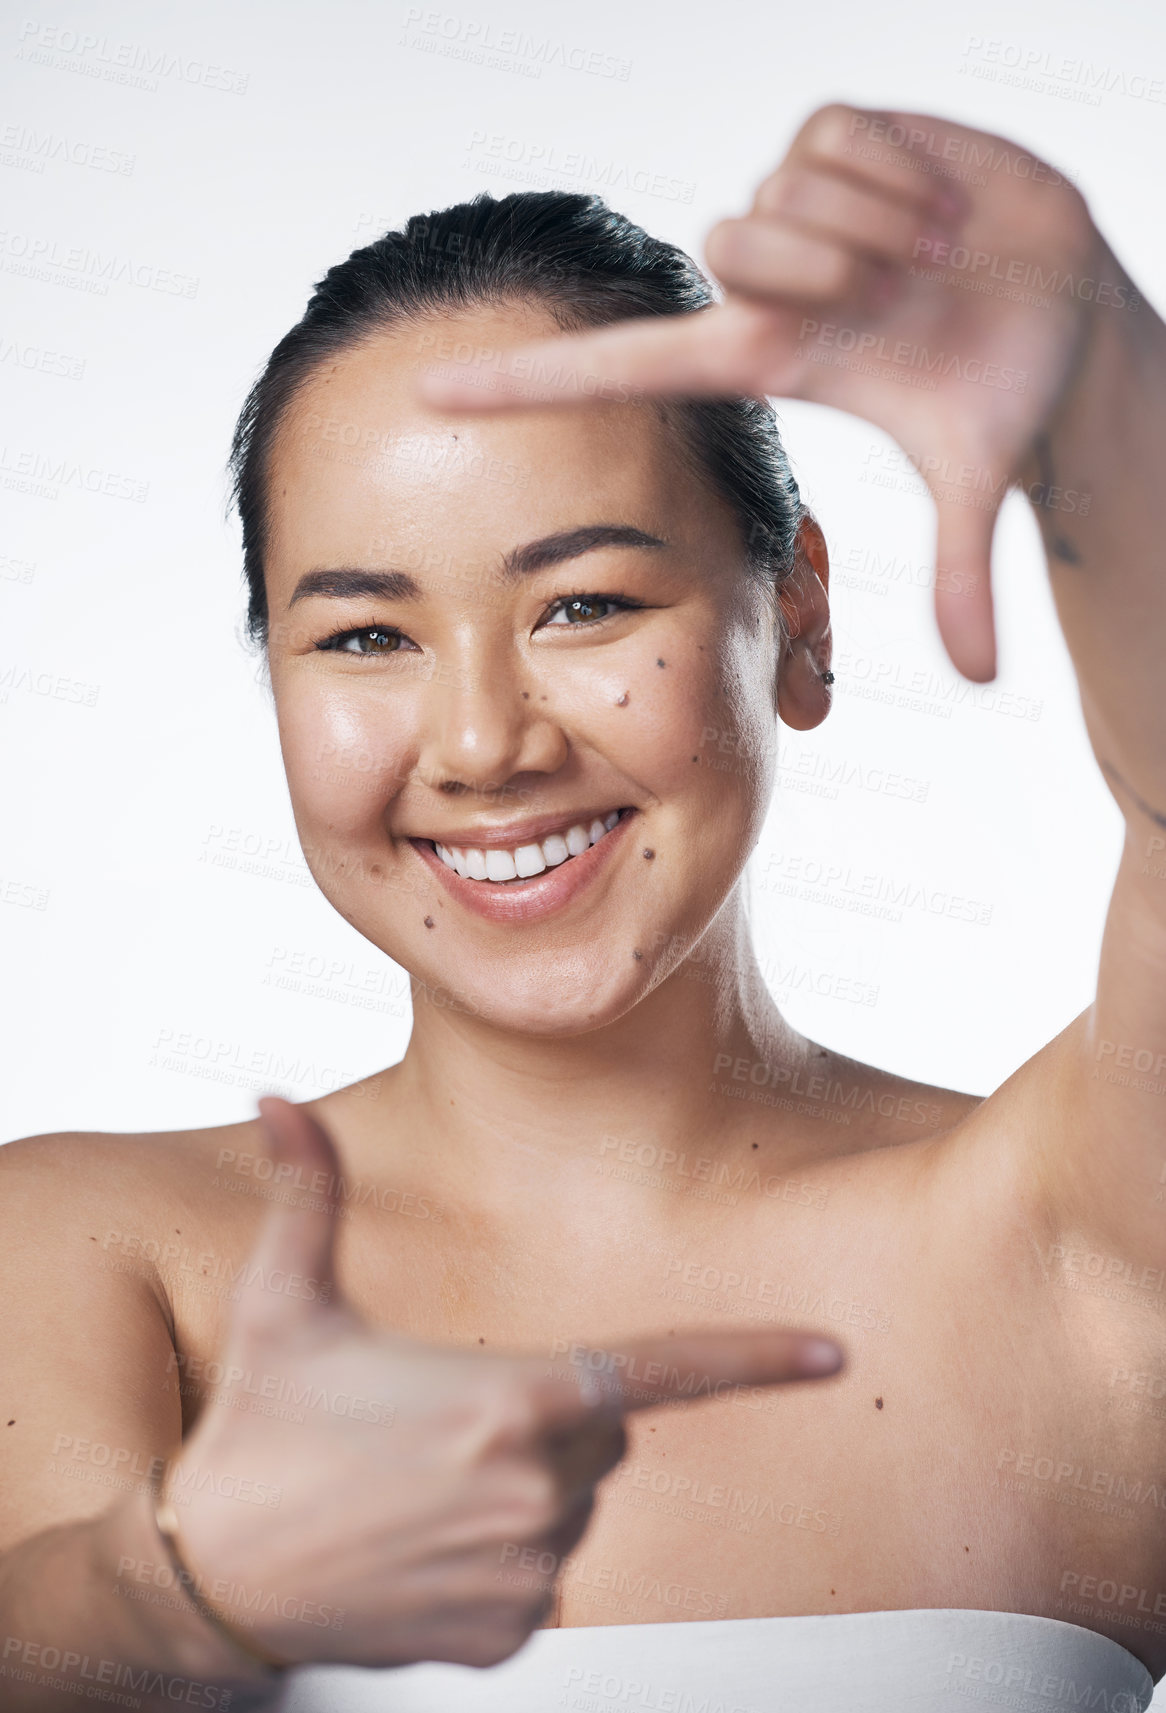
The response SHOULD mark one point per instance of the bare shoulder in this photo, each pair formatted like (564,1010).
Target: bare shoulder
(131,1191)
(869,1107)
(111,1162)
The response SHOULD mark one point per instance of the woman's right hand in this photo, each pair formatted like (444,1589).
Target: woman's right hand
(417,1473)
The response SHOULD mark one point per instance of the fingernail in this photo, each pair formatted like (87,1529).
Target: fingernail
(822,1356)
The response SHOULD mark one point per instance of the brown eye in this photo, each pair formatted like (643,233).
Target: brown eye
(581,609)
(373,639)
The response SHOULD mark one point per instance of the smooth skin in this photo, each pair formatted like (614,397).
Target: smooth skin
(598,1177)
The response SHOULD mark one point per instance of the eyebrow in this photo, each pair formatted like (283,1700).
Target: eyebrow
(347,581)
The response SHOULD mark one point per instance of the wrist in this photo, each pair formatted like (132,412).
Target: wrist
(1122,341)
(161,1627)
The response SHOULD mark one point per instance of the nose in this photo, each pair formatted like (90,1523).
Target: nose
(484,722)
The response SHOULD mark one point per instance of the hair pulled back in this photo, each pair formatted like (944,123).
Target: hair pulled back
(586,265)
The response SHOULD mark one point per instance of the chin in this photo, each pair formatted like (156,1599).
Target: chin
(551,996)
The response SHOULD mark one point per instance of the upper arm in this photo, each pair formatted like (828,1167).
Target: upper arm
(1106,1146)
(88,1392)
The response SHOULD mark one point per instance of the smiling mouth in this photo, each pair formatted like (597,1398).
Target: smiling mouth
(499,865)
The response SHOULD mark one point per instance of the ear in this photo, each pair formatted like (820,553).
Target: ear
(803,699)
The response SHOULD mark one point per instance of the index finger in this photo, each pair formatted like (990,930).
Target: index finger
(704,353)
(687,1367)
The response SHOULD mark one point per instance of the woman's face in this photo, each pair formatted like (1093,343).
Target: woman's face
(474,707)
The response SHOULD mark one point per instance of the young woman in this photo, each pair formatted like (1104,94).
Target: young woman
(498,641)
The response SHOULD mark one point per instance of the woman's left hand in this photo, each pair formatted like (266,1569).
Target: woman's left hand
(938,281)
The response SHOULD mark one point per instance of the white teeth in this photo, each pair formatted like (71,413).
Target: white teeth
(500,865)
(528,860)
(522,861)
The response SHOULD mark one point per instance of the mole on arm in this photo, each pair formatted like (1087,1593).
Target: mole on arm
(878,1403)
(1059,545)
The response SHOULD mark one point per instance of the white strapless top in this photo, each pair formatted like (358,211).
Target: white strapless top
(925,1661)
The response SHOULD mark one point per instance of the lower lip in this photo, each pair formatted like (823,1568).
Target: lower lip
(518,901)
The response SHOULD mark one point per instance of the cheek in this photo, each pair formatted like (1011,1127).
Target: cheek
(705,720)
(345,760)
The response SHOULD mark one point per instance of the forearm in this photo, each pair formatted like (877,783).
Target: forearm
(1097,483)
(71,1633)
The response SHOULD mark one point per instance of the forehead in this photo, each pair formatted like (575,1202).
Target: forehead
(361,469)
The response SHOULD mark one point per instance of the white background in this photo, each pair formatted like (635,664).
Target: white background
(124,939)
(121,933)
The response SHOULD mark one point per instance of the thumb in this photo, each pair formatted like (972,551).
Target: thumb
(963,587)
(290,1272)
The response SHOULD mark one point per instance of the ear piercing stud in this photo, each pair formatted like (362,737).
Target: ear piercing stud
(827,677)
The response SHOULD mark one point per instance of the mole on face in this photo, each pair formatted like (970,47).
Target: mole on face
(622,701)
(649,854)
(429,921)
(659,663)
(637,954)
(878,1403)
(526,695)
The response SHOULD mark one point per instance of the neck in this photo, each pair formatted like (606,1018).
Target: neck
(695,1071)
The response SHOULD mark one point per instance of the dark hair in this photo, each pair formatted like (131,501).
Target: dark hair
(586,265)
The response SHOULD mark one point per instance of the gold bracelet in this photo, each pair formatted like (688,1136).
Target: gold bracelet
(166,1522)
